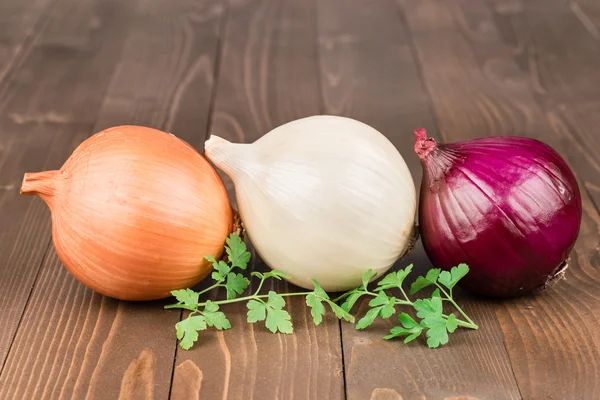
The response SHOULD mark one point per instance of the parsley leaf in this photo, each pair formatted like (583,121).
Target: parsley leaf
(451,323)
(352,298)
(317,307)
(430,279)
(379,300)
(236,284)
(215,318)
(257,311)
(368,318)
(367,276)
(388,309)
(315,301)
(187,330)
(394,279)
(428,307)
(186,296)
(221,269)
(386,302)
(436,334)
(410,328)
(340,312)
(451,278)
(277,318)
(236,251)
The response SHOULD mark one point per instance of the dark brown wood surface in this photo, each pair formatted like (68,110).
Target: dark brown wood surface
(238,68)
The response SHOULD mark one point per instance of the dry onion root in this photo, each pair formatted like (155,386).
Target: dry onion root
(135,211)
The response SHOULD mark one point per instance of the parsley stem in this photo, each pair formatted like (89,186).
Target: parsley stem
(260,285)
(236,300)
(256,297)
(209,288)
(473,325)
(179,305)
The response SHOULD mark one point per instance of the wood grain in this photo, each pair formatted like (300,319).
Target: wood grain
(44,104)
(552,338)
(20,22)
(268,76)
(370,74)
(96,347)
(560,51)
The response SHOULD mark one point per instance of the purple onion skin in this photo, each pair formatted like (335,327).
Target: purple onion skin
(507,206)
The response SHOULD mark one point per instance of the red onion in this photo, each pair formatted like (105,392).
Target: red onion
(507,206)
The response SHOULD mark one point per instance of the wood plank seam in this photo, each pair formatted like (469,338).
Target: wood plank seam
(37,275)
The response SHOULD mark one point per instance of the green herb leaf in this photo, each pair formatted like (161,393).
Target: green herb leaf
(214,317)
(186,296)
(236,284)
(436,334)
(380,300)
(257,311)
(451,278)
(277,275)
(410,328)
(221,269)
(275,301)
(408,322)
(451,323)
(236,251)
(352,299)
(428,307)
(368,318)
(340,312)
(187,330)
(430,279)
(210,306)
(394,279)
(436,293)
(317,307)
(318,290)
(432,275)
(388,309)
(277,318)
(367,276)
(398,331)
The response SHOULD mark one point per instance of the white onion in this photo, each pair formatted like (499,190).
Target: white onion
(322,197)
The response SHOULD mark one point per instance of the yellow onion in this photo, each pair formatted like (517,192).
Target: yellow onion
(135,211)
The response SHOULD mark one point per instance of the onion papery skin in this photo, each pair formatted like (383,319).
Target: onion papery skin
(322,197)
(135,211)
(508,206)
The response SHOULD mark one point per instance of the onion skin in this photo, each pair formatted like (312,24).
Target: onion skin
(507,206)
(135,211)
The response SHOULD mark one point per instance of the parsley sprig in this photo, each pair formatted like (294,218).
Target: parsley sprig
(434,323)
(271,307)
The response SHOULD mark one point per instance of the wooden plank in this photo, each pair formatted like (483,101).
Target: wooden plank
(19,22)
(560,49)
(478,67)
(95,346)
(369,73)
(46,102)
(268,76)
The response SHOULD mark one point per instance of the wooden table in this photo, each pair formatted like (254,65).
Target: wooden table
(459,68)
